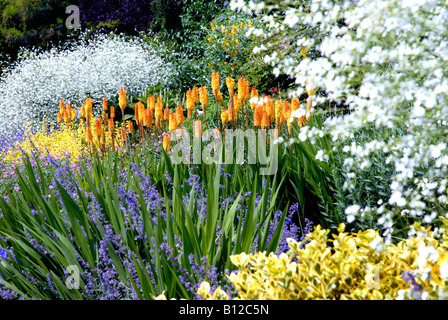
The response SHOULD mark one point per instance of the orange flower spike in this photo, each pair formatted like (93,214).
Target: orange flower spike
(89,107)
(179,115)
(246,90)
(172,123)
(105,104)
(203,97)
(130,127)
(295,104)
(136,111)
(270,109)
(224,116)
(150,116)
(123,134)
(265,120)
(73,115)
(253,93)
(286,110)
(151,103)
(99,128)
(112,112)
(139,110)
(160,101)
(258,115)
(220,98)
(83,111)
(236,106)
(190,100)
(66,117)
(61,106)
(69,108)
(241,89)
(166,114)
(122,99)
(89,135)
(158,112)
(215,82)
(195,94)
(59,117)
(166,142)
(230,85)
(198,128)
(111,127)
(145,118)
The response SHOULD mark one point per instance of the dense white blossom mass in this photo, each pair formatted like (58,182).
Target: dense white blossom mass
(32,88)
(387,61)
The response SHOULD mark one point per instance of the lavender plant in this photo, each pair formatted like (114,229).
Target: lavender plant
(129,237)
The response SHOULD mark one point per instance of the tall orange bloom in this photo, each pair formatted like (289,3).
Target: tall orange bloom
(89,135)
(150,116)
(166,142)
(61,106)
(83,111)
(136,110)
(122,99)
(151,103)
(236,106)
(123,134)
(203,97)
(89,108)
(215,82)
(225,116)
(190,102)
(172,125)
(230,85)
(98,128)
(179,115)
(111,127)
(197,128)
(265,120)
(195,94)
(258,115)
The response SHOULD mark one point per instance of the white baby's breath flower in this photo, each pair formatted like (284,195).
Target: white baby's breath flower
(95,68)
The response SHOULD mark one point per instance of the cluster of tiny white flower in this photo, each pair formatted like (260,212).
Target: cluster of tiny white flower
(387,61)
(32,88)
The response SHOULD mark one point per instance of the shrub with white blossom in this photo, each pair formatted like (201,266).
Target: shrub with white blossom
(386,62)
(32,88)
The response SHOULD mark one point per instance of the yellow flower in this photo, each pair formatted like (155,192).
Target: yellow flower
(304,51)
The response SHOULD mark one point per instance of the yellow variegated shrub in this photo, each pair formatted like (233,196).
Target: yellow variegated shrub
(348,266)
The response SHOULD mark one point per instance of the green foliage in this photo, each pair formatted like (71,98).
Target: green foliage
(65,227)
(31,23)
